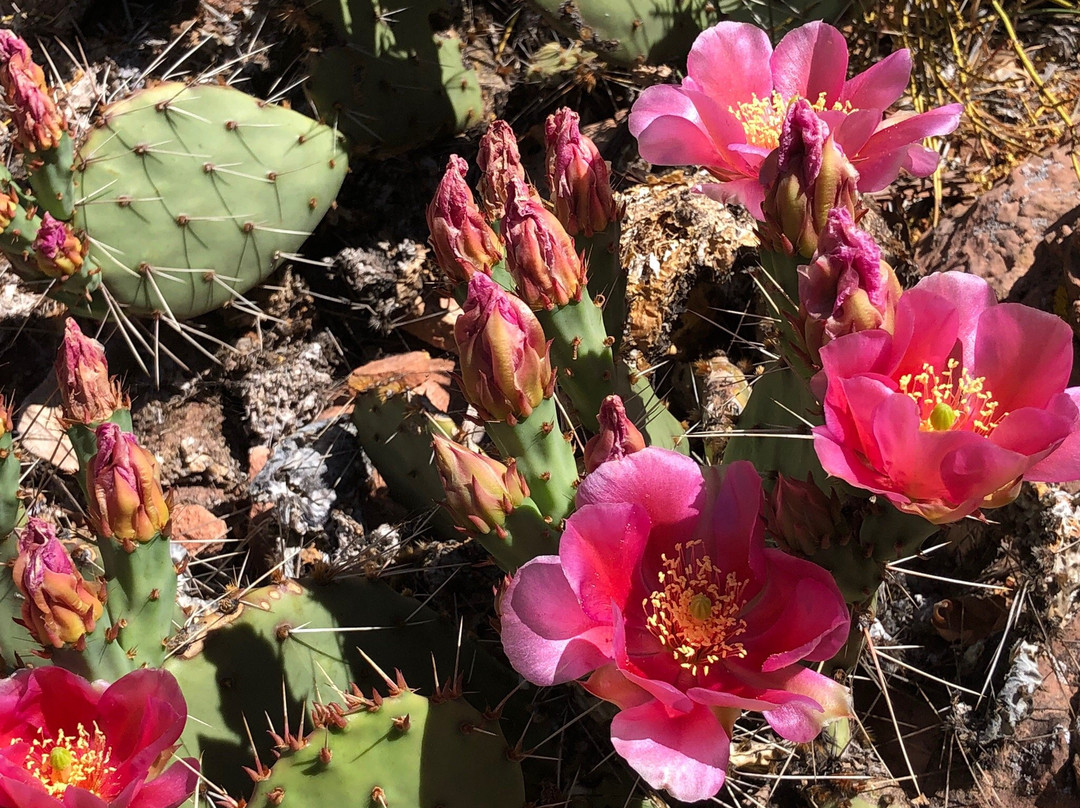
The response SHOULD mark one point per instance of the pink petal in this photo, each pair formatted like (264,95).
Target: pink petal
(852,130)
(747,192)
(1063,464)
(668,485)
(969,295)
(19,790)
(545,634)
(78,798)
(903,129)
(840,461)
(977,468)
(170,788)
(809,61)
(731,519)
(684,753)
(610,684)
(730,62)
(670,129)
(926,332)
(1015,374)
(881,85)
(1032,432)
(600,549)
(142,714)
(878,171)
(799,722)
(651,668)
(920,161)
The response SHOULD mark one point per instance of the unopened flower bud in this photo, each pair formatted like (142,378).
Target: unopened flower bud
(480,491)
(87,394)
(124,488)
(59,253)
(60,606)
(9,207)
(505,367)
(5,419)
(463,241)
(540,254)
(805,178)
(38,123)
(847,287)
(802,518)
(500,162)
(578,176)
(617,438)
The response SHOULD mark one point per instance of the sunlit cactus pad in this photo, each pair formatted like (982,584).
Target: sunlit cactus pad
(190,195)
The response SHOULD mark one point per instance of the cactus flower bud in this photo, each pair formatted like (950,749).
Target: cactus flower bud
(124,487)
(617,438)
(540,253)
(463,241)
(802,518)
(5,419)
(480,491)
(59,253)
(810,176)
(38,122)
(505,367)
(578,176)
(60,606)
(9,206)
(87,393)
(500,162)
(847,287)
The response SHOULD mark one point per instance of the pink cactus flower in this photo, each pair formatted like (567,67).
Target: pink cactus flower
(66,743)
(727,113)
(953,410)
(664,591)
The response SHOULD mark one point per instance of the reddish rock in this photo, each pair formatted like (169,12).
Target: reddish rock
(197,529)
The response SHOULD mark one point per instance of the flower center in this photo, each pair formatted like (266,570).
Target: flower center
(763,118)
(952,400)
(80,760)
(695,611)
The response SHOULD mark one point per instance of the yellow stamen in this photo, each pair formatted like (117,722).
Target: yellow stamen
(80,760)
(952,400)
(763,118)
(695,611)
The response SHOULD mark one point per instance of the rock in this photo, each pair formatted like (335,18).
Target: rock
(197,529)
(1017,235)
(385,282)
(188,437)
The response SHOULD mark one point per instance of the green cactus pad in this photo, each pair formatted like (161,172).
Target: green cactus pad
(394,82)
(191,195)
(445,755)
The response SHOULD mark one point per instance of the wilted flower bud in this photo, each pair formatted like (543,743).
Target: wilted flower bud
(464,242)
(60,606)
(847,287)
(809,177)
(38,122)
(5,419)
(500,162)
(505,367)
(480,491)
(578,176)
(59,253)
(802,518)
(9,206)
(87,393)
(617,437)
(540,253)
(124,488)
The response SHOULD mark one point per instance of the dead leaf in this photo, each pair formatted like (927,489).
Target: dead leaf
(414,372)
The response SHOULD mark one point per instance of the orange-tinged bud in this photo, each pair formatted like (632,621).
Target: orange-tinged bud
(617,437)
(480,491)
(540,254)
(87,394)
(124,488)
(500,162)
(463,241)
(38,122)
(58,251)
(9,206)
(505,368)
(60,606)
(579,178)
(5,418)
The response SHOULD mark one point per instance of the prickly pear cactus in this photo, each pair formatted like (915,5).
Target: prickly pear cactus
(403,751)
(396,77)
(190,196)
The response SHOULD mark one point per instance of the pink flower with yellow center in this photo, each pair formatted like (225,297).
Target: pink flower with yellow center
(65,742)
(953,410)
(728,112)
(664,591)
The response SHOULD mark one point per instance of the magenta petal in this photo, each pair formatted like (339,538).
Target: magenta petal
(600,549)
(547,637)
(684,753)
(878,170)
(17,789)
(853,130)
(796,720)
(809,61)
(668,485)
(732,520)
(969,295)
(881,85)
(610,684)
(29,698)
(1032,432)
(976,468)
(920,161)
(1015,374)
(142,715)
(170,788)
(730,62)
(1063,464)
(903,129)
(748,192)
(839,461)
(78,798)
